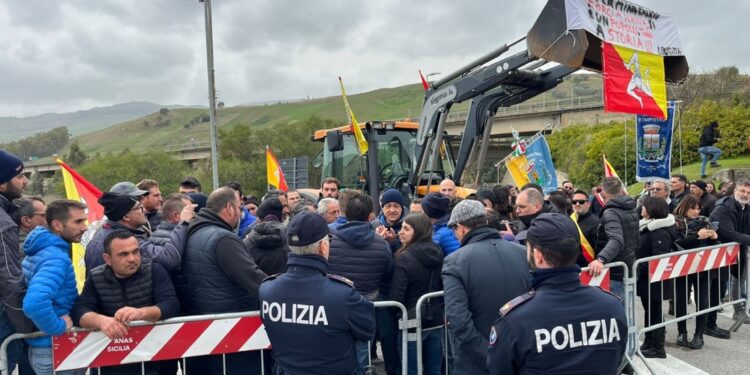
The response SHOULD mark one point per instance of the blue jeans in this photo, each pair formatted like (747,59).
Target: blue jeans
(617,288)
(16,349)
(432,352)
(41,361)
(362,348)
(705,151)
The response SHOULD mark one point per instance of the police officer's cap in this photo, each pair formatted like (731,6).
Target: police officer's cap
(306,228)
(548,230)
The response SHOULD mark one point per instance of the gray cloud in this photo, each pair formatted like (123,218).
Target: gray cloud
(73,54)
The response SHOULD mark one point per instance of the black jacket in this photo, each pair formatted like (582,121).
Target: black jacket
(589,224)
(219,273)
(708,203)
(688,231)
(479,278)
(267,243)
(617,238)
(734,225)
(657,237)
(313,320)
(709,136)
(361,256)
(559,303)
(162,234)
(417,272)
(12,282)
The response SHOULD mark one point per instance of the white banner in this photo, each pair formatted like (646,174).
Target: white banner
(625,24)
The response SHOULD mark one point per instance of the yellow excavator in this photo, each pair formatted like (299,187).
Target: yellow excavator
(415,157)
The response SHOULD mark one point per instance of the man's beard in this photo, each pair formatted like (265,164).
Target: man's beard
(12,192)
(741,201)
(532,265)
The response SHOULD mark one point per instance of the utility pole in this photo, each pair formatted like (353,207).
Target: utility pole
(211,93)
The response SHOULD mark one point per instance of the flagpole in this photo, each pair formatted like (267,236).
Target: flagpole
(679,129)
(528,142)
(268,183)
(625,150)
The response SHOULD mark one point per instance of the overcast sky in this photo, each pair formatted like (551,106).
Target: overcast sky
(68,55)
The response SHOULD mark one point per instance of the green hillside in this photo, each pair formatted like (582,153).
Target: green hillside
(693,171)
(179,127)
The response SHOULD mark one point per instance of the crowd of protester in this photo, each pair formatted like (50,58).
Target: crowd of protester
(190,253)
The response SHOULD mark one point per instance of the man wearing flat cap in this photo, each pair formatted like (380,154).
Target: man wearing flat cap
(125,211)
(313,319)
(560,326)
(482,275)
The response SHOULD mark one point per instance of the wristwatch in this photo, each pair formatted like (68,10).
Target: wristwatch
(601,259)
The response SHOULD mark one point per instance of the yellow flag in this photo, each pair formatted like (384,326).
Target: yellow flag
(78,251)
(358,136)
(517,167)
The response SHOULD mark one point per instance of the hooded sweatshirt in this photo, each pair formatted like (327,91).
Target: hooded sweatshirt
(267,244)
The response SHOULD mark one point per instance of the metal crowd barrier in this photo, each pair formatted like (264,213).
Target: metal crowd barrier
(628,301)
(191,336)
(668,271)
(602,281)
(418,325)
(176,338)
(403,326)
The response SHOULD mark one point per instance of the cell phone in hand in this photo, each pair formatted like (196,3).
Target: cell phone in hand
(715,225)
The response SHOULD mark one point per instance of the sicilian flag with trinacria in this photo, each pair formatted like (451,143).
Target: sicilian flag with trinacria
(79,189)
(274,174)
(634,81)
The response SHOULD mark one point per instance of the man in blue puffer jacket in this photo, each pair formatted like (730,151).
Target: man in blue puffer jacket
(49,273)
(435,206)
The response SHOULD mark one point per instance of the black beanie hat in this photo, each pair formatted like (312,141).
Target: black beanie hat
(117,205)
(435,205)
(700,185)
(271,208)
(199,199)
(10,166)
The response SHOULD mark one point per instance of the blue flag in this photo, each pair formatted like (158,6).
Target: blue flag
(541,170)
(654,146)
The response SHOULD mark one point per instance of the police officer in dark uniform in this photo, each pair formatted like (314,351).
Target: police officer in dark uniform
(313,319)
(560,326)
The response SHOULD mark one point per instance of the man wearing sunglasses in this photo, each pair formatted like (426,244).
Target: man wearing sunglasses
(587,221)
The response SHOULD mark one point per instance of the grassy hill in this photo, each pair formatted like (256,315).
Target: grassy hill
(382,104)
(693,171)
(79,122)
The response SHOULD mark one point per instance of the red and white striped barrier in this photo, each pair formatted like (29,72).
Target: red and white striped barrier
(699,261)
(159,342)
(601,281)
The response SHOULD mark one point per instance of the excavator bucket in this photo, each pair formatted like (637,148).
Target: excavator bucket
(571,32)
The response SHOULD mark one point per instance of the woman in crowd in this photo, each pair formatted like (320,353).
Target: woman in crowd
(658,233)
(695,231)
(417,272)
(711,189)
(504,203)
